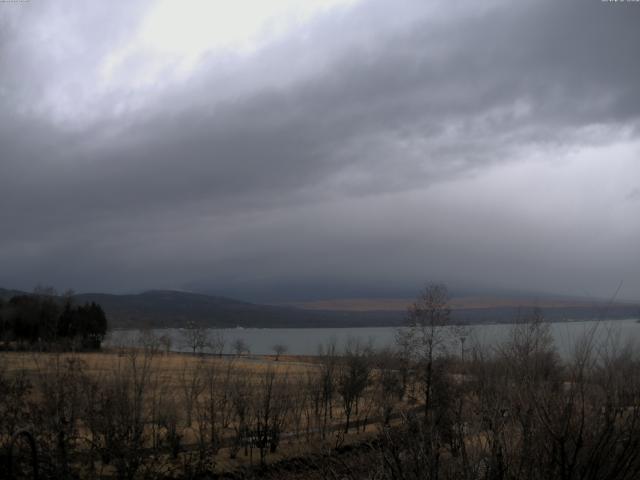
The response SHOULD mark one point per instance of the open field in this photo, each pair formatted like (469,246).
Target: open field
(171,364)
(228,411)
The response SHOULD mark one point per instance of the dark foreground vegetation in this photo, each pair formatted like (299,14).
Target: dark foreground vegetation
(436,407)
(44,320)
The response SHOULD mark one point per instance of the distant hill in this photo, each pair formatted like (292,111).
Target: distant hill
(461,302)
(168,308)
(7,294)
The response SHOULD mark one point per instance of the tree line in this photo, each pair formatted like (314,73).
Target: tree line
(45,319)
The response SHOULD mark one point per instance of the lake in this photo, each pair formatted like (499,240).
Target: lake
(305,341)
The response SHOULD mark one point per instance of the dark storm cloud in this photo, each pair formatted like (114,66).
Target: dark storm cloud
(261,171)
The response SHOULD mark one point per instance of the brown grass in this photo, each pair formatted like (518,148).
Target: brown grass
(169,371)
(170,364)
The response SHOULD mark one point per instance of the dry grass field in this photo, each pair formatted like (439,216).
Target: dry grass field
(231,412)
(169,364)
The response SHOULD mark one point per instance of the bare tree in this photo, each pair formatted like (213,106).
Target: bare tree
(148,340)
(214,409)
(217,342)
(116,416)
(60,382)
(263,409)
(240,402)
(388,387)
(279,349)
(191,384)
(329,366)
(165,342)
(353,379)
(299,405)
(240,347)
(428,333)
(195,337)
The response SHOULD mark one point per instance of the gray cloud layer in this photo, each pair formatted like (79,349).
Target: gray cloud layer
(366,150)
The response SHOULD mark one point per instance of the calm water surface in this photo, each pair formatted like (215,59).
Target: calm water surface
(305,341)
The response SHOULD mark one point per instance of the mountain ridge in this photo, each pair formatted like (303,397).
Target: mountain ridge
(174,308)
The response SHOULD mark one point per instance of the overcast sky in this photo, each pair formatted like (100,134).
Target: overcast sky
(305,149)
